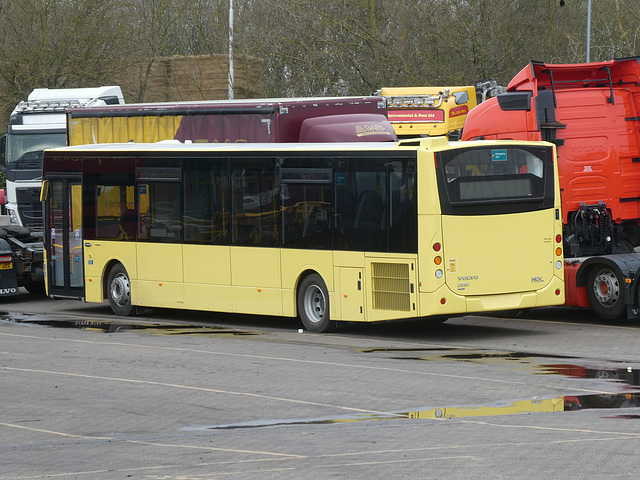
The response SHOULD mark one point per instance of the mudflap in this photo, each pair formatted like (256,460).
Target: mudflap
(8,277)
(627,267)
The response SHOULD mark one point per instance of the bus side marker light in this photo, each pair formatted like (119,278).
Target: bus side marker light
(437,260)
(259,290)
(627,280)
(438,273)
(345,295)
(159,284)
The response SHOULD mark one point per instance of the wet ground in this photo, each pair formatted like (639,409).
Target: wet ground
(194,395)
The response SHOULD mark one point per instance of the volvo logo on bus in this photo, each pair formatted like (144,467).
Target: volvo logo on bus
(468,277)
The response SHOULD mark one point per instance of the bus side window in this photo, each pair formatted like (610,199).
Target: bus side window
(206,201)
(306,210)
(159,211)
(255,204)
(361,205)
(115,214)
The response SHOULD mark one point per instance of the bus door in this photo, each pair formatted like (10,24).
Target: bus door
(65,271)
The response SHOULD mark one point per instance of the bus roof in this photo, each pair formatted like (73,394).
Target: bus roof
(175,145)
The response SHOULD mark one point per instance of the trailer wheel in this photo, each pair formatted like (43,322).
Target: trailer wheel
(313,305)
(604,288)
(119,291)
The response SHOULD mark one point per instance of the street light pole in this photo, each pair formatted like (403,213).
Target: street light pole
(589,32)
(231,76)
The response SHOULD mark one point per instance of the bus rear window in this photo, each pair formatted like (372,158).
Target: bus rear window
(492,180)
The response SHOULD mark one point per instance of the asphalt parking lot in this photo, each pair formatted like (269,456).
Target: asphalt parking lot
(191,395)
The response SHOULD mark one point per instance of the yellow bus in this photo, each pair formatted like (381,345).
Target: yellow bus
(328,232)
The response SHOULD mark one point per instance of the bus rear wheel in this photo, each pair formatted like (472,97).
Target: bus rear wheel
(119,291)
(604,288)
(313,305)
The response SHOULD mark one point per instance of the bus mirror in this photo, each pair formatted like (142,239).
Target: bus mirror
(44,191)
(461,97)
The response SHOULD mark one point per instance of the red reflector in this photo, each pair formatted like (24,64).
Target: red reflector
(437,247)
(5,258)
(443,300)
(558,238)
(557,291)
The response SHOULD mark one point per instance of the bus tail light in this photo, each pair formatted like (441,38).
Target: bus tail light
(437,247)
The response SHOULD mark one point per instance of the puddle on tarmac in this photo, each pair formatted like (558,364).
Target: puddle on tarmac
(623,381)
(116,327)
(544,405)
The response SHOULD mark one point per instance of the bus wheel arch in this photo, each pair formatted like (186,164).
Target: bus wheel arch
(605,289)
(118,290)
(312,300)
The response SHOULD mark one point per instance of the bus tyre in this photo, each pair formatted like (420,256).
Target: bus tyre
(604,288)
(119,291)
(34,288)
(313,305)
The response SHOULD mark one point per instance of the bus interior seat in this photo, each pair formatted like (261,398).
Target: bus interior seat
(370,210)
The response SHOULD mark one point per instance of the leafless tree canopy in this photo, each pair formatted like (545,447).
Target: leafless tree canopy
(307,47)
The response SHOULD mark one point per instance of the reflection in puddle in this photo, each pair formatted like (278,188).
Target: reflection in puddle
(545,405)
(521,406)
(625,382)
(116,327)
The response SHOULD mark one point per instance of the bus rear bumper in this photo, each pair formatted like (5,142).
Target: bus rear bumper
(444,301)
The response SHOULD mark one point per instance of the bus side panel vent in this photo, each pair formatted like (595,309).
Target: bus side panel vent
(391,286)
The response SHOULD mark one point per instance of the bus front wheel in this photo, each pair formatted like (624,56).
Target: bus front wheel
(605,293)
(119,291)
(313,305)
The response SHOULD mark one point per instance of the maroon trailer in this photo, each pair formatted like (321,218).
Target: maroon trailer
(290,120)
